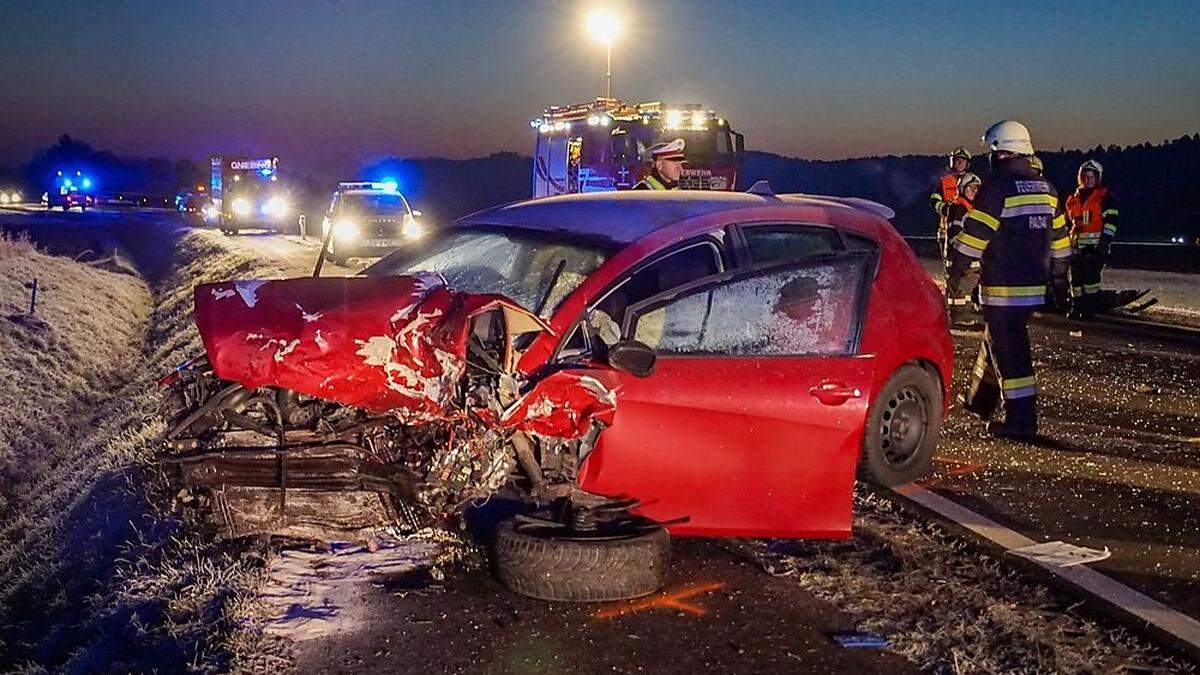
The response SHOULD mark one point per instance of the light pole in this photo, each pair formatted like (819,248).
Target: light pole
(603,25)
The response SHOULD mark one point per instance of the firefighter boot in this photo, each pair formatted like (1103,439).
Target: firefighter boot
(962,315)
(1082,307)
(1020,420)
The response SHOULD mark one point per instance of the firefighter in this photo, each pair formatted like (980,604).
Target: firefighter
(668,167)
(945,189)
(1092,215)
(960,280)
(1021,243)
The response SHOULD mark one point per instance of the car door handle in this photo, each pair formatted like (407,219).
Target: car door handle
(834,393)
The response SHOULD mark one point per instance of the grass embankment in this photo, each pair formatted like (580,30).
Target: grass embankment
(96,574)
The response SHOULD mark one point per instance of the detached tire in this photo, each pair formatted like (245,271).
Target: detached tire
(902,430)
(582,570)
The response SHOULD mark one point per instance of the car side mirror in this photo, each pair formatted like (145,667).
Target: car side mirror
(632,357)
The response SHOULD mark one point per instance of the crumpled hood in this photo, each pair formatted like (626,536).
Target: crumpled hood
(386,343)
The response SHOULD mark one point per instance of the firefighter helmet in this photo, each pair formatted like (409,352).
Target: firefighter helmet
(957,153)
(1008,136)
(1091,165)
(967,180)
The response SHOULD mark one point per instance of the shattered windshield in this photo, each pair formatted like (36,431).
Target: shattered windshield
(536,273)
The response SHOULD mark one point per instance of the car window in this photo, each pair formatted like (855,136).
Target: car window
(810,309)
(857,242)
(789,243)
(684,266)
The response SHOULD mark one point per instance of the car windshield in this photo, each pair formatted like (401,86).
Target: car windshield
(373,204)
(524,266)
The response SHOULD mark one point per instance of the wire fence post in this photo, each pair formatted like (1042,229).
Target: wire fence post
(32,286)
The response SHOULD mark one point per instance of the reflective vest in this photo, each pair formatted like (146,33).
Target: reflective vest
(1087,216)
(651,182)
(949,186)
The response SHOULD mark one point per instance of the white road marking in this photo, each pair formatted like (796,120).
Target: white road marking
(1138,604)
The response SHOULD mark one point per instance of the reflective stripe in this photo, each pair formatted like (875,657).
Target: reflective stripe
(1026,200)
(1061,252)
(1087,238)
(1110,212)
(984,218)
(1091,288)
(1059,221)
(1110,230)
(1023,392)
(966,249)
(959,301)
(1014,291)
(1060,243)
(968,240)
(1027,210)
(1015,301)
(937,197)
(1018,382)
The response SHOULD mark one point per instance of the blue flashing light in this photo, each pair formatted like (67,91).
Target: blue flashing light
(265,172)
(389,184)
(87,183)
(67,182)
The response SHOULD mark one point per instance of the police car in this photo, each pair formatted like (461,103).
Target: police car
(368,219)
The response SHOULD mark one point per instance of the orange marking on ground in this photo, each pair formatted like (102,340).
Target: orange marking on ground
(956,467)
(664,600)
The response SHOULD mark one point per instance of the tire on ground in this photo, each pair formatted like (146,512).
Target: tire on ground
(910,385)
(582,570)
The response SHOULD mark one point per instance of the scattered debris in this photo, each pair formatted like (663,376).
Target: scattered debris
(860,640)
(1061,554)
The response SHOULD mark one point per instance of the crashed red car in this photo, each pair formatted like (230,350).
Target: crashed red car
(714,364)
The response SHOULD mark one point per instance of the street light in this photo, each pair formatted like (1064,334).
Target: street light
(604,26)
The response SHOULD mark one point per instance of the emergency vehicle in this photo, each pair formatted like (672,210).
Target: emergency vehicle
(605,145)
(368,219)
(70,189)
(246,192)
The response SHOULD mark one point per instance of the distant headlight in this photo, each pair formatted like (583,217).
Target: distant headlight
(412,229)
(4,198)
(241,206)
(345,230)
(276,207)
(210,212)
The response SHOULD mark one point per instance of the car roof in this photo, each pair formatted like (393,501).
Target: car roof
(626,216)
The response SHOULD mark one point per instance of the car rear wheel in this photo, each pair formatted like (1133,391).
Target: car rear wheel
(549,564)
(902,429)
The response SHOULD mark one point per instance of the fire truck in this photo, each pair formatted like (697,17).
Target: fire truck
(605,145)
(245,192)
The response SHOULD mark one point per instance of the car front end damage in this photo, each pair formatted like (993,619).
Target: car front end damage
(337,408)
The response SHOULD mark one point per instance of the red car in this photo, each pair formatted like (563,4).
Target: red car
(719,363)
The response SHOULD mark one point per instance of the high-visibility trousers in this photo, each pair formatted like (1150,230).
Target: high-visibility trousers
(1087,264)
(1004,368)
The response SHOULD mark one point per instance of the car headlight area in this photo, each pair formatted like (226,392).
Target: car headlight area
(241,207)
(345,231)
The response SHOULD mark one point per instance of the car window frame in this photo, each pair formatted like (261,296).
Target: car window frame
(718,238)
(866,283)
(742,247)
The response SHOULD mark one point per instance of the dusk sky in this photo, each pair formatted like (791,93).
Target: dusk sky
(329,87)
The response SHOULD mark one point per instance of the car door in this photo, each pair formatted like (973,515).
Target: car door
(751,422)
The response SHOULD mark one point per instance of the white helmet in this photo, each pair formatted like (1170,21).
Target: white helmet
(1009,136)
(1091,165)
(966,180)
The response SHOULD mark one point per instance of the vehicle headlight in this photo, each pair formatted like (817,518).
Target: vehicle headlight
(276,207)
(4,198)
(345,230)
(411,228)
(240,206)
(210,212)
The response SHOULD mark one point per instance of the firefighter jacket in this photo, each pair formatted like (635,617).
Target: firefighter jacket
(956,213)
(945,190)
(1092,215)
(1014,231)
